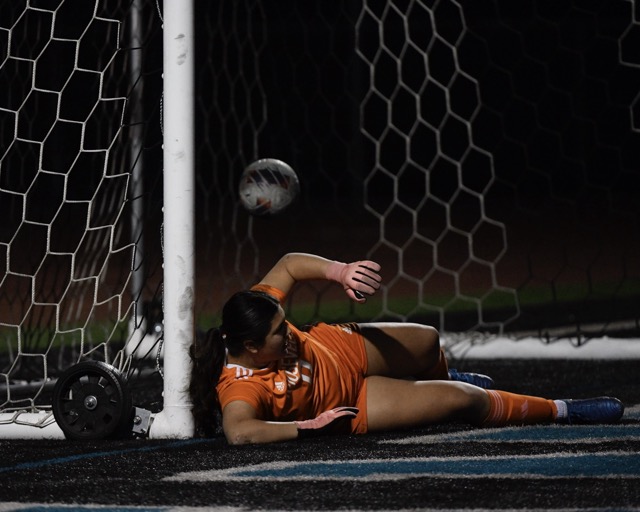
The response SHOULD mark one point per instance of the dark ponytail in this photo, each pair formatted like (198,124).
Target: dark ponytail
(208,355)
(246,316)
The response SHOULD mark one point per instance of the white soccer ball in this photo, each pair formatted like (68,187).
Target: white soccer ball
(268,186)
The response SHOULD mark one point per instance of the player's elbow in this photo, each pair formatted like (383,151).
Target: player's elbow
(238,437)
(244,433)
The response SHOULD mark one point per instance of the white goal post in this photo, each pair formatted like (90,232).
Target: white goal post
(175,419)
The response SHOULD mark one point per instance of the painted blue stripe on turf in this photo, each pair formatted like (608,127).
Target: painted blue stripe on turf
(537,434)
(72,458)
(590,465)
(611,464)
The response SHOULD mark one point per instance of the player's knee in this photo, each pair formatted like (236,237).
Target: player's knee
(470,403)
(430,341)
(432,336)
(427,334)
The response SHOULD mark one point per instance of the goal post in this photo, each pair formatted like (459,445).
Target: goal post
(175,419)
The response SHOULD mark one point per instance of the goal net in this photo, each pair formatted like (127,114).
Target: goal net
(80,172)
(484,153)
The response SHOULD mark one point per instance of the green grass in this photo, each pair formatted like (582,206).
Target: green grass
(38,339)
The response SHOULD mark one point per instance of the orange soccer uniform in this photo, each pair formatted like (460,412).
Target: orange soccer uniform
(326,369)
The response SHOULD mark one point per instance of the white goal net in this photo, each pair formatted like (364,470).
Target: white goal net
(79,116)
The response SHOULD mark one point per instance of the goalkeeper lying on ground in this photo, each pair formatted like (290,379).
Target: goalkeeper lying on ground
(274,382)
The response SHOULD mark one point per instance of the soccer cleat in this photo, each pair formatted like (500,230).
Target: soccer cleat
(477,379)
(593,411)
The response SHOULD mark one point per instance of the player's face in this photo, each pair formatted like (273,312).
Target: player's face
(277,341)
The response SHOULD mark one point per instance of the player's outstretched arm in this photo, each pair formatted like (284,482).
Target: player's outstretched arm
(359,279)
(241,425)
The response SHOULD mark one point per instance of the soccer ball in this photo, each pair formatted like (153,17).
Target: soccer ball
(268,186)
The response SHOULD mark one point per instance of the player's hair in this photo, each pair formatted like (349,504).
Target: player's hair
(247,315)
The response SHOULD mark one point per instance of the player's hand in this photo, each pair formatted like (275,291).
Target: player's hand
(358,279)
(321,422)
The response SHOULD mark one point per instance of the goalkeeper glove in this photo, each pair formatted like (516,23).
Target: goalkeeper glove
(358,279)
(319,424)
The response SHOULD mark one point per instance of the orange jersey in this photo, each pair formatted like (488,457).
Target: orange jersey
(325,369)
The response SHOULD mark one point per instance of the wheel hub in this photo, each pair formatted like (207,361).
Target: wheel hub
(90,403)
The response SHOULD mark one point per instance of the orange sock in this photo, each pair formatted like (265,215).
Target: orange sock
(511,409)
(438,372)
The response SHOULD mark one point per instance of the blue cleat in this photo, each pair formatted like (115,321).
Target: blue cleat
(477,379)
(593,411)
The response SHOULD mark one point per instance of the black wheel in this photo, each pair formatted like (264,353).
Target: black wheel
(91,401)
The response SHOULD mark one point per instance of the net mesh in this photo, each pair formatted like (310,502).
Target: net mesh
(70,238)
(482,153)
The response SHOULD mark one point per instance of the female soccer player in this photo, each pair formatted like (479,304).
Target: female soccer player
(274,382)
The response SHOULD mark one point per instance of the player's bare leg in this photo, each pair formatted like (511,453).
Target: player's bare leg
(404,350)
(410,350)
(398,404)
